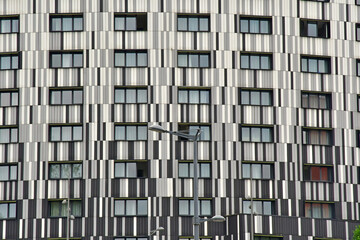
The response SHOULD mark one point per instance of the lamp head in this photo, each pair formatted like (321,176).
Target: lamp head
(64,201)
(160,229)
(218,218)
(157,128)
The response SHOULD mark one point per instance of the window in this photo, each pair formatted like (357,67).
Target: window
(131,207)
(66,59)
(315,64)
(66,96)
(186,207)
(318,173)
(258,170)
(193,23)
(256,61)
(358,102)
(205,134)
(131,238)
(319,210)
(131,132)
(133,169)
(194,59)
(9,61)
(317,136)
(131,58)
(9,24)
(260,207)
(256,134)
(7,210)
(267,238)
(8,172)
(130,95)
(58,208)
(357,2)
(66,23)
(194,96)
(9,98)
(186,170)
(131,22)
(256,97)
(65,170)
(316,100)
(358,138)
(8,134)
(66,133)
(358,168)
(255,25)
(314,28)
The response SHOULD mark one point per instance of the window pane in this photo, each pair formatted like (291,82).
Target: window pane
(67,97)
(246,170)
(78,60)
(131,170)
(315,173)
(77,170)
(55,133)
(265,98)
(77,133)
(142,96)
(304,63)
(14,134)
(4,173)
(267,208)
(131,23)
(264,26)
(313,65)
(56,97)
(66,133)
(183,170)
(54,171)
(4,135)
(312,29)
(12,210)
(255,134)
(119,23)
(119,132)
(5,26)
(76,208)
(316,210)
(204,60)
(130,95)
(245,134)
(327,211)
(65,171)
(119,95)
(204,24)
(193,60)
(245,96)
(14,99)
(244,25)
(323,66)
(119,59)
(305,102)
(193,24)
(130,133)
(67,24)
(325,138)
(254,26)
(131,59)
(246,207)
(67,60)
(258,209)
(130,207)
(205,133)
(15,62)
(265,62)
(77,95)
(205,170)
(142,132)
(54,209)
(182,24)
(254,62)
(5,62)
(194,96)
(56,24)
(183,96)
(5,99)
(142,207)
(78,24)
(313,100)
(255,98)
(120,169)
(307,209)
(324,173)
(205,207)
(322,102)
(13,172)
(204,97)
(182,60)
(245,61)
(266,171)
(142,59)
(56,60)
(256,171)
(15,25)
(119,207)
(265,135)
(183,207)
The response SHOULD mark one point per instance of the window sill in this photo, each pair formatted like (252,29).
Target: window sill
(66,67)
(9,33)
(74,104)
(66,31)
(131,103)
(130,30)
(193,67)
(316,108)
(193,178)
(269,34)
(65,141)
(315,37)
(271,69)
(205,104)
(315,72)
(131,66)
(194,31)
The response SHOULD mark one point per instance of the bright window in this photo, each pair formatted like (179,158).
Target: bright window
(66,59)
(315,64)
(130,95)
(193,59)
(194,96)
(9,61)
(186,170)
(130,22)
(66,96)
(256,134)
(258,170)
(131,58)
(65,170)
(186,207)
(255,25)
(193,23)
(8,134)
(8,172)
(7,210)
(256,61)
(9,98)
(66,23)
(9,24)
(130,132)
(319,210)
(131,207)
(260,207)
(65,133)
(316,100)
(133,169)
(256,97)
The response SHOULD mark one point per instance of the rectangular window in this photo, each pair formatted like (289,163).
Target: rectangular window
(133,169)
(65,170)
(258,170)
(358,175)
(66,96)
(10,61)
(256,134)
(8,134)
(357,2)
(315,64)
(193,23)
(7,210)
(194,96)
(267,238)
(317,136)
(193,59)
(8,172)
(66,133)
(9,24)
(131,58)
(131,207)
(130,22)
(257,97)
(66,59)
(186,207)
(261,207)
(58,208)
(66,23)
(318,173)
(186,170)
(256,25)
(131,95)
(205,134)
(319,210)
(254,61)
(316,100)
(9,98)
(314,28)
(130,132)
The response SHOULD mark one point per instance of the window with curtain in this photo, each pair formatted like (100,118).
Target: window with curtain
(319,210)
(318,173)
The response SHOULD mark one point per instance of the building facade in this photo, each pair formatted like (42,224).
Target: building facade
(273,85)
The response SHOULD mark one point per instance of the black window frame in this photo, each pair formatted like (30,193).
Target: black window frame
(137,214)
(321,33)
(321,1)
(190,172)
(198,16)
(10,127)
(306,138)
(126,125)
(137,162)
(64,89)
(51,126)
(62,205)
(186,127)
(358,102)
(357,134)
(196,53)
(11,55)
(9,166)
(131,238)
(318,59)
(256,54)
(68,15)
(267,237)
(138,51)
(307,168)
(191,202)
(263,201)
(61,53)
(250,90)
(8,205)
(328,100)
(10,91)
(12,18)
(140,16)
(71,163)
(330,204)
(270,127)
(259,19)
(251,163)
(199,90)
(136,88)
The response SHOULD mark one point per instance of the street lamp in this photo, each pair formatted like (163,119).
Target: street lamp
(152,232)
(194,138)
(68,211)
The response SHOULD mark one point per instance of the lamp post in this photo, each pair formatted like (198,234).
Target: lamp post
(68,210)
(152,232)
(194,138)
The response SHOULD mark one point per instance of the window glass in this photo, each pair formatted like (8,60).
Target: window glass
(265,98)
(119,23)
(264,26)
(77,133)
(56,60)
(119,59)
(193,60)
(130,207)
(322,66)
(254,62)
(266,171)
(66,60)
(244,25)
(130,133)
(120,132)
(265,62)
(130,59)
(142,133)
(245,61)
(265,135)
(245,134)
(66,133)
(12,210)
(312,29)
(4,135)
(267,208)
(194,96)
(131,170)
(130,95)
(313,65)
(182,23)
(13,172)
(55,133)
(4,173)
(119,95)
(76,208)
(254,26)
(3,210)
(204,60)
(245,96)
(204,24)
(255,98)
(142,95)
(183,96)
(66,97)
(55,171)
(205,207)
(78,24)
(142,59)
(15,25)
(183,207)
(131,23)
(182,60)
(15,99)
(6,26)
(255,134)
(5,62)
(256,171)
(15,62)
(304,65)
(142,207)
(246,207)
(193,24)
(56,24)
(5,99)
(183,170)
(204,97)
(246,170)
(14,134)
(67,24)
(205,171)
(65,171)
(77,97)
(78,60)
